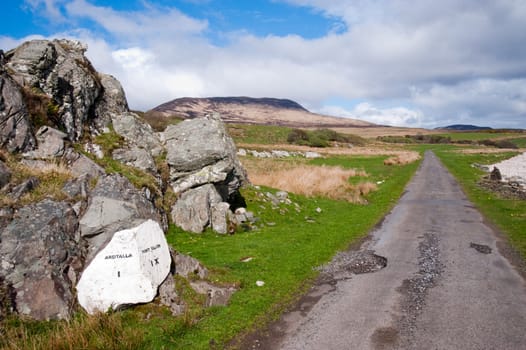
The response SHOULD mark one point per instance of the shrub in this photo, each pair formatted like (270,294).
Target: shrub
(322,138)
(298,136)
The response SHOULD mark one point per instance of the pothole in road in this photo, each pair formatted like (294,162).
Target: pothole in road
(481,248)
(415,289)
(355,262)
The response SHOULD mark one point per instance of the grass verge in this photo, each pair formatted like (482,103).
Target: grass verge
(289,242)
(509,215)
(291,239)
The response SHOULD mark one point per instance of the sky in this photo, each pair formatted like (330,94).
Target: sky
(424,63)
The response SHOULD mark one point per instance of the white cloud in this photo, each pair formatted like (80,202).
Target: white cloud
(47,8)
(397,116)
(449,60)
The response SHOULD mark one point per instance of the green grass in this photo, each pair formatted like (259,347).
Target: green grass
(258,134)
(286,247)
(519,142)
(284,254)
(509,215)
(478,135)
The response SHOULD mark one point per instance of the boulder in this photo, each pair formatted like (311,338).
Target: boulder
(215,295)
(111,102)
(136,157)
(192,211)
(50,144)
(59,70)
(203,143)
(137,132)
(15,127)
(186,266)
(114,205)
(212,174)
(5,174)
(127,271)
(40,256)
(495,174)
(222,220)
(81,165)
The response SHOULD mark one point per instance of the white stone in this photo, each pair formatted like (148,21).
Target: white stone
(128,270)
(312,155)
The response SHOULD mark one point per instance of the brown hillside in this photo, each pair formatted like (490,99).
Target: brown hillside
(265,111)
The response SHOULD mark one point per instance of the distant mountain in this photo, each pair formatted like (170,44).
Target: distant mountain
(248,110)
(464,127)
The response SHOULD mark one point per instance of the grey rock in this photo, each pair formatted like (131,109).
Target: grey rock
(199,143)
(114,205)
(60,70)
(50,144)
(136,157)
(280,154)
(222,219)
(192,211)
(81,165)
(215,295)
(15,130)
(312,155)
(168,296)
(215,173)
(78,187)
(137,132)
(186,266)
(5,174)
(282,195)
(94,149)
(111,102)
(25,187)
(495,174)
(40,247)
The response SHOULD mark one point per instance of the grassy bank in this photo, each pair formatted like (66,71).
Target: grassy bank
(508,214)
(289,242)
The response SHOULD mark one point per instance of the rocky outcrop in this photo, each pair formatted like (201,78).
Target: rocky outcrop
(114,205)
(111,102)
(41,257)
(60,70)
(57,112)
(137,132)
(51,144)
(15,128)
(57,77)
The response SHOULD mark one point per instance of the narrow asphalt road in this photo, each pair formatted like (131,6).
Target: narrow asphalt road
(445,284)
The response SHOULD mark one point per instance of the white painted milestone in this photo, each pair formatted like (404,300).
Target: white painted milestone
(128,270)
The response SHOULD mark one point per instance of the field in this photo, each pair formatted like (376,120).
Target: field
(289,241)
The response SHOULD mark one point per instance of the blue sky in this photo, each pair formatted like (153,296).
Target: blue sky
(396,62)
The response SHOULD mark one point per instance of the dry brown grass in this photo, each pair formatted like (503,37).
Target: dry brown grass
(402,158)
(51,176)
(293,176)
(487,150)
(375,150)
